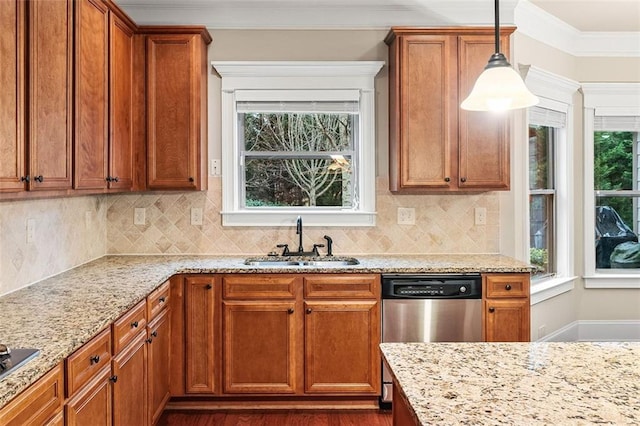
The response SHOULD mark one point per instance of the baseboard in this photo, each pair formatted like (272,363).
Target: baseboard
(596,331)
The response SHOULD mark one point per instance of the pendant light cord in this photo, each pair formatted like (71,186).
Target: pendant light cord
(497,25)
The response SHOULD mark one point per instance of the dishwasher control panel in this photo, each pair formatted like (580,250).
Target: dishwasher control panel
(431,287)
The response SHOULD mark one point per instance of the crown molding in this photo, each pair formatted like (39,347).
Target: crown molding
(534,22)
(549,85)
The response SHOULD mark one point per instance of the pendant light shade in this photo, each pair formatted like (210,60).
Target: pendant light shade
(499,87)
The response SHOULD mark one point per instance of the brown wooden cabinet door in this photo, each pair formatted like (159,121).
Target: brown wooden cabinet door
(507,320)
(91,94)
(261,346)
(483,136)
(92,404)
(426,106)
(120,174)
(12,143)
(199,312)
(176,117)
(159,335)
(50,89)
(341,346)
(130,387)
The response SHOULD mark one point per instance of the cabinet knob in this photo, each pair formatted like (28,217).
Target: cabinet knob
(191,179)
(115,179)
(507,287)
(134,324)
(492,310)
(309,310)
(149,340)
(162,299)
(108,179)
(25,179)
(447,179)
(94,359)
(113,379)
(463,180)
(209,287)
(290,311)
(154,333)
(39,178)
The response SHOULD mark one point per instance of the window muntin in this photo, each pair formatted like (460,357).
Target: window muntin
(298,154)
(542,244)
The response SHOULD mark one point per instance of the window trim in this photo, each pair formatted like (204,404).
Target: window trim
(603,99)
(325,76)
(555,93)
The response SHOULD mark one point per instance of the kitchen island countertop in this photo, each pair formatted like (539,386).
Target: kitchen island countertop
(540,383)
(61,313)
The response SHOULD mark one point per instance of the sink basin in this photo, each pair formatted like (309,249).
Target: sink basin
(324,262)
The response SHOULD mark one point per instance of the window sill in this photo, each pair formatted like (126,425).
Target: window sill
(547,288)
(625,280)
(288,218)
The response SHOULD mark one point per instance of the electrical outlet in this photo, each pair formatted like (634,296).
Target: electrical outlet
(480,216)
(196,216)
(542,331)
(406,216)
(31,230)
(139,216)
(214,167)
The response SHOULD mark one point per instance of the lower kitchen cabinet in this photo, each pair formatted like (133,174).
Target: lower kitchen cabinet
(158,361)
(92,404)
(341,346)
(261,341)
(130,383)
(506,307)
(199,334)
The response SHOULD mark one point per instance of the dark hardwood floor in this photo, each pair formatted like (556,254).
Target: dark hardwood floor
(277,418)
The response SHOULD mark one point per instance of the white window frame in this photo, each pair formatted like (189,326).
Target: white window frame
(603,99)
(555,93)
(316,79)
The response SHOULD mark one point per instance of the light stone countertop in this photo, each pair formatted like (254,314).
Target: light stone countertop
(540,383)
(61,313)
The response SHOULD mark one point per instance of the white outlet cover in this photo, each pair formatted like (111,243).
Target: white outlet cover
(139,216)
(196,216)
(406,216)
(31,230)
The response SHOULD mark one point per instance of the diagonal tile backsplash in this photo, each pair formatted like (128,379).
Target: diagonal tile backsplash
(444,224)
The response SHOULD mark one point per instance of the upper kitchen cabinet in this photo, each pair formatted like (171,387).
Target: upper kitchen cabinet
(91,94)
(12,72)
(50,89)
(176,107)
(433,144)
(103,97)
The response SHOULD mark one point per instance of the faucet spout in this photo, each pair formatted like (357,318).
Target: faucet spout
(299,233)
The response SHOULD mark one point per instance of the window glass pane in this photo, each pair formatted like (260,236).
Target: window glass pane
(616,236)
(541,252)
(613,160)
(540,157)
(299,182)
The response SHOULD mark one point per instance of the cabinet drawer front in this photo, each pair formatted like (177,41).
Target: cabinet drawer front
(128,326)
(38,403)
(157,301)
(87,361)
(507,285)
(260,286)
(340,286)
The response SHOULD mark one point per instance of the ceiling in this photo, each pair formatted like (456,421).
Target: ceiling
(583,15)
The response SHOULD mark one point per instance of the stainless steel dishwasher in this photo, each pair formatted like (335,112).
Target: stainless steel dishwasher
(429,308)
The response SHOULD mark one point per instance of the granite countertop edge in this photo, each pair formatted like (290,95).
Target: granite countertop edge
(59,314)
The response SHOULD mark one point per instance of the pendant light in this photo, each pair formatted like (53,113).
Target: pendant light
(499,87)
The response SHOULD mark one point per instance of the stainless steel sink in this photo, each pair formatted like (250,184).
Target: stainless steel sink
(324,262)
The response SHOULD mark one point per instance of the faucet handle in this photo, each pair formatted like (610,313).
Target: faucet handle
(315,249)
(329,245)
(285,247)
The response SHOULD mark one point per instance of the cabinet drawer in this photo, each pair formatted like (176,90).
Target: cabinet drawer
(506,285)
(128,326)
(87,361)
(157,301)
(341,286)
(39,403)
(260,286)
